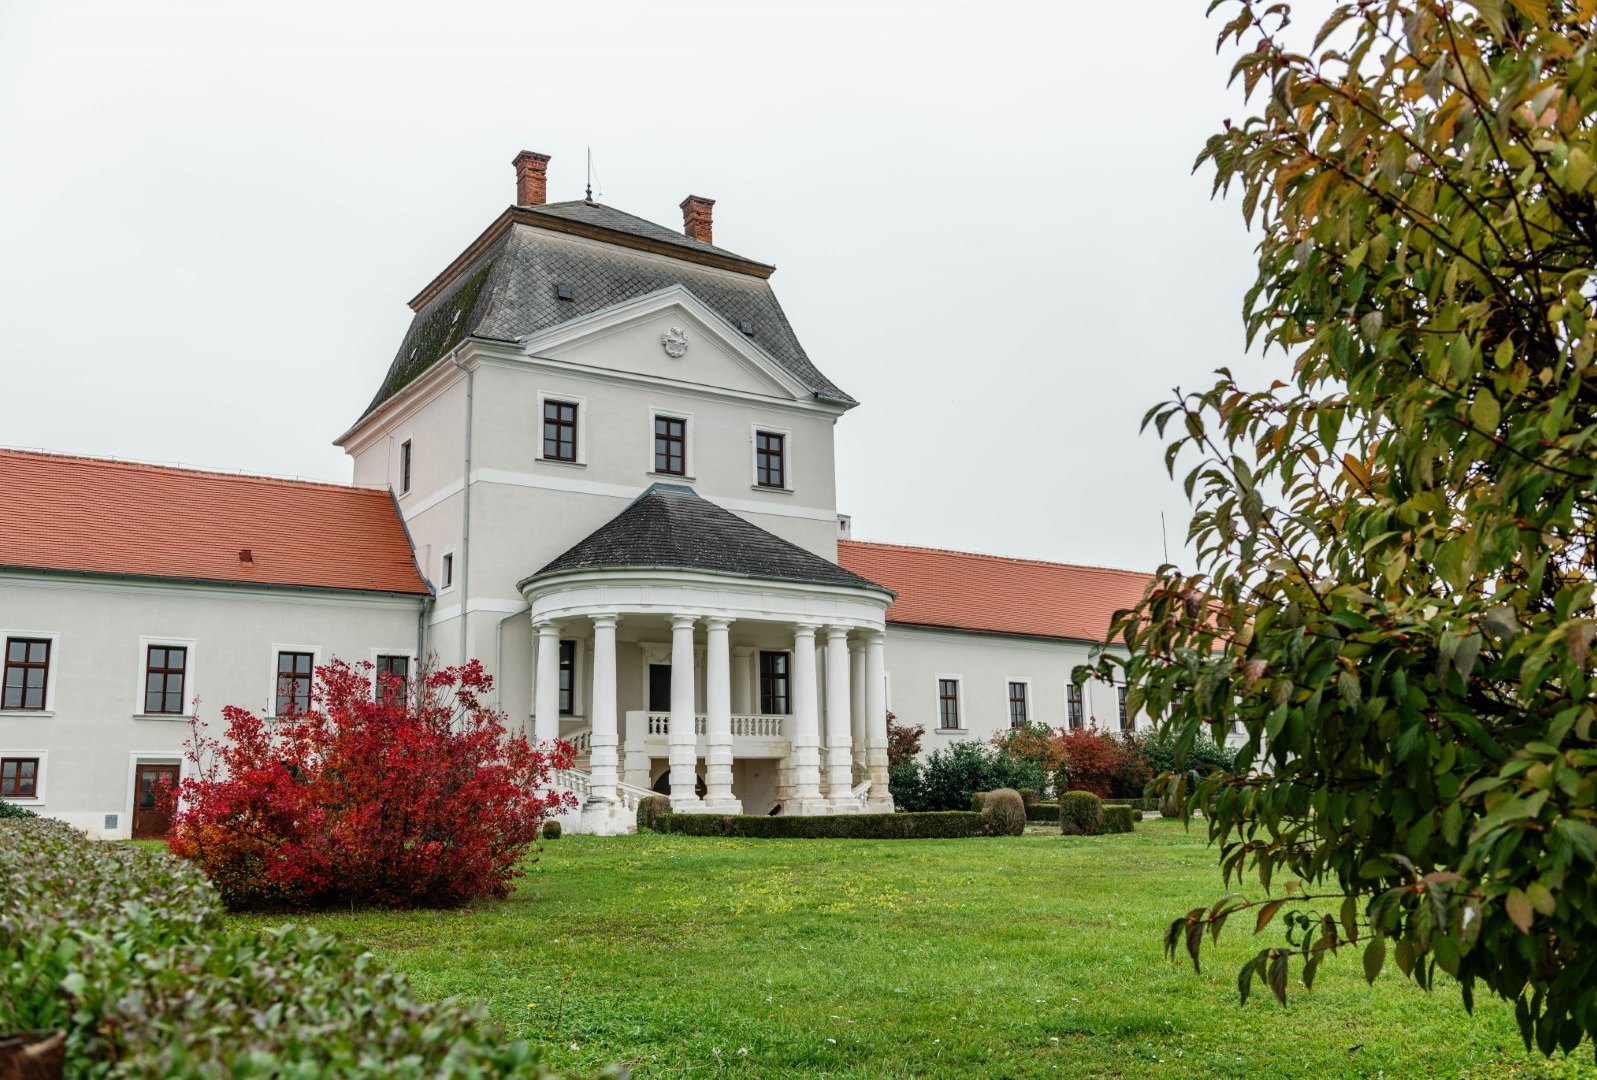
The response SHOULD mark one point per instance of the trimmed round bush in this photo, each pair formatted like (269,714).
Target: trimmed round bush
(1080,814)
(651,810)
(978,800)
(1004,812)
(1030,796)
(1118,819)
(1169,806)
(551,830)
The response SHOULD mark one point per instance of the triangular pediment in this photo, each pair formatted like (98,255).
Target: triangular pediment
(673,336)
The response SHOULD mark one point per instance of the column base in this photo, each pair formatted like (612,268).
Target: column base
(807,806)
(690,804)
(728,805)
(604,817)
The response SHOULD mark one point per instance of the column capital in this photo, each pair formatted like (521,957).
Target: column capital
(856,643)
(684,622)
(547,627)
(806,629)
(873,636)
(717,622)
(607,620)
(835,633)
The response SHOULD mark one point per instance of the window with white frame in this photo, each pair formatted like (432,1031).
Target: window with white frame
(404,467)
(19,777)
(166,670)
(948,718)
(26,685)
(1019,703)
(391,674)
(770,459)
(560,419)
(446,570)
(670,445)
(295,672)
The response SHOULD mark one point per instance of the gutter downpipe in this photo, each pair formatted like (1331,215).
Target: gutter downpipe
(465,510)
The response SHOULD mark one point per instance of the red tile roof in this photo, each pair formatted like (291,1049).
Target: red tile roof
(116,517)
(991,593)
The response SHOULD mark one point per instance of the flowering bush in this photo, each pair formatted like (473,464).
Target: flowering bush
(419,799)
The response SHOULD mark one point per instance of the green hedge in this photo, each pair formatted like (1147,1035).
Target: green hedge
(1080,814)
(651,808)
(12,810)
(942,824)
(128,952)
(1118,819)
(1043,811)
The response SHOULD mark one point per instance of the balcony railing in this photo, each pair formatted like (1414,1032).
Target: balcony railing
(757,727)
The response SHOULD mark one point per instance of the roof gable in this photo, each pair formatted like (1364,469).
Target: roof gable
(992,594)
(505,287)
(91,515)
(670,527)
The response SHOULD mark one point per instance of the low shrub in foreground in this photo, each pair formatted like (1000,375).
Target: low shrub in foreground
(1004,813)
(12,810)
(1118,819)
(650,810)
(551,830)
(127,951)
(925,826)
(1080,814)
(421,798)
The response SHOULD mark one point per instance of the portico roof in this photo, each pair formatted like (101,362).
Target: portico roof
(670,527)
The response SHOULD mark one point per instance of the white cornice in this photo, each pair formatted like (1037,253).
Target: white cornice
(287,594)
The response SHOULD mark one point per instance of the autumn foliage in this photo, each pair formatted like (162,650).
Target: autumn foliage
(422,798)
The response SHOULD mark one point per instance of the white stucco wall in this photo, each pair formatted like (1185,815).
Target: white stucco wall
(92,732)
(985,664)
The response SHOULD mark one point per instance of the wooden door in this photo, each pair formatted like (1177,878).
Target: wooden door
(153,800)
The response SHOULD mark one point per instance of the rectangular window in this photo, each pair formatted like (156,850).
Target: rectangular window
(1019,712)
(948,704)
(770,459)
(775,684)
(559,431)
(446,572)
(404,466)
(294,673)
(27,673)
(1073,706)
(19,778)
(568,678)
(392,672)
(670,445)
(164,669)
(1125,719)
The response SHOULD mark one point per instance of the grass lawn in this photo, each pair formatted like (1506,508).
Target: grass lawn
(1037,956)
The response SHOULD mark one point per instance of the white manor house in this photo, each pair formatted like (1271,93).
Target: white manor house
(601,463)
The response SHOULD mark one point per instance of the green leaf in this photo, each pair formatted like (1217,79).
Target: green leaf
(1520,910)
(1374,957)
(1484,412)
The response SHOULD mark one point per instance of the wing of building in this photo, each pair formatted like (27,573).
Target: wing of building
(602,463)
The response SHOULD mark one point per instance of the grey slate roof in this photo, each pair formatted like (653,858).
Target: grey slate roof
(670,527)
(509,293)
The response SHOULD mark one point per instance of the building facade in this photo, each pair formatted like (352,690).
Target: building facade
(612,465)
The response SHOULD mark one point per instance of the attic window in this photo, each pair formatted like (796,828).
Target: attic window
(747,327)
(563,292)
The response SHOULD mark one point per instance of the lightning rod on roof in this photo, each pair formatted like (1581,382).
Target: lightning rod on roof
(592,176)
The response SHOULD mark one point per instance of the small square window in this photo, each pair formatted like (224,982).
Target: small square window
(19,778)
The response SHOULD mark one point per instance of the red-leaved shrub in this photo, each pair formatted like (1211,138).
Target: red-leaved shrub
(1092,761)
(420,799)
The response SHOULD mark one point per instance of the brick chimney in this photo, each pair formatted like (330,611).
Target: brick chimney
(696,218)
(532,180)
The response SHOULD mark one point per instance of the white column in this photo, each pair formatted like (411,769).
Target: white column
(806,741)
(839,726)
(546,714)
(742,680)
(878,798)
(602,710)
(718,797)
(683,740)
(856,704)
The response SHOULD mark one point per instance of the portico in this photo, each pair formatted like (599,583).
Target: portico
(729,690)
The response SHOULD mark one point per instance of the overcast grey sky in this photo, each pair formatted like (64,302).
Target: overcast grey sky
(211,216)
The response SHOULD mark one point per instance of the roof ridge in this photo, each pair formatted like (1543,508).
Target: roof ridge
(188,470)
(995,558)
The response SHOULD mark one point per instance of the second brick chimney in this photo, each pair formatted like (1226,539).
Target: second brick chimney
(532,180)
(696,218)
